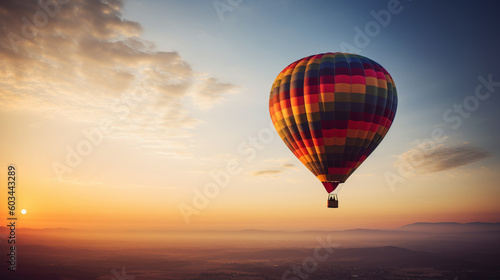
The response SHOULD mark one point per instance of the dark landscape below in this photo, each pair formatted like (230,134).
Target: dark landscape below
(417,251)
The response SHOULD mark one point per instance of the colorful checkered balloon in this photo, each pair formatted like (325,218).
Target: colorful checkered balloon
(332,110)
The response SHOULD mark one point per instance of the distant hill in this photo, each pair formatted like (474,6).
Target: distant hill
(23,230)
(419,227)
(415,227)
(452,227)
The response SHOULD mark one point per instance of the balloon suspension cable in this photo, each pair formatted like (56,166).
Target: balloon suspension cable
(333,199)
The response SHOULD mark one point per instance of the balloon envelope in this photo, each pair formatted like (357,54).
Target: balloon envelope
(332,110)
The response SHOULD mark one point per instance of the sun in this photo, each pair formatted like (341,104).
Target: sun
(23,211)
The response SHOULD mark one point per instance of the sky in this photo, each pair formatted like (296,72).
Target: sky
(154,114)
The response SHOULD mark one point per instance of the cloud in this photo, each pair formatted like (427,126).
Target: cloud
(80,60)
(440,158)
(209,91)
(265,172)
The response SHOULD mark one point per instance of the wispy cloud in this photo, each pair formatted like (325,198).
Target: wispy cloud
(84,62)
(209,91)
(267,172)
(273,171)
(441,157)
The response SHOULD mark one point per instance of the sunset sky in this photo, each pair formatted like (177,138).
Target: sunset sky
(117,115)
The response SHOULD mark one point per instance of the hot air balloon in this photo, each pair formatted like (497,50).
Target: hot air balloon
(332,110)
